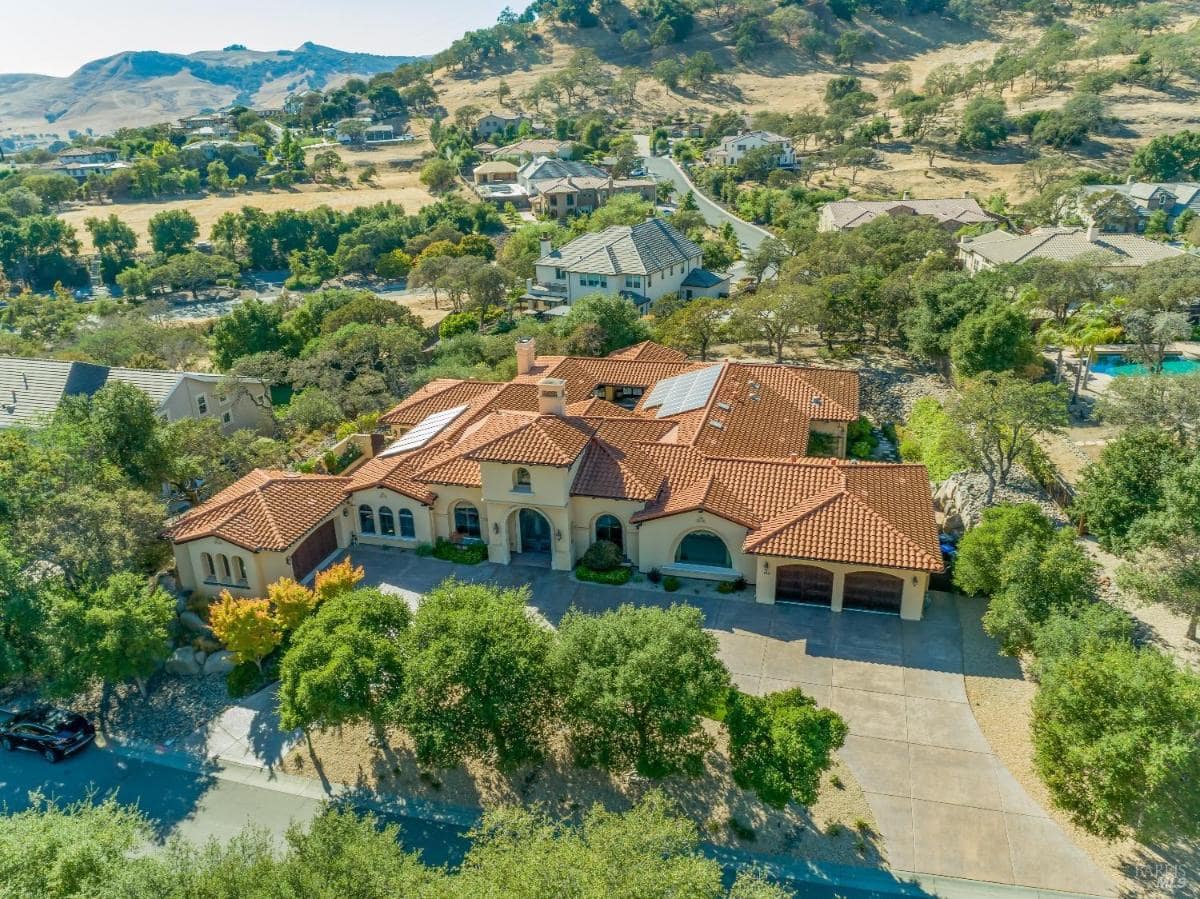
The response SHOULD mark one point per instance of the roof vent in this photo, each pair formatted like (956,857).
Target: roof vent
(716,424)
(816,401)
(754,385)
(724,406)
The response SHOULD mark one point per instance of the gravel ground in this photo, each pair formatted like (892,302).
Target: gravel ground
(565,791)
(174,708)
(1001,697)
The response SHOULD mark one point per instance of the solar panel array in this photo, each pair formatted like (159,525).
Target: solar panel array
(683,393)
(424,431)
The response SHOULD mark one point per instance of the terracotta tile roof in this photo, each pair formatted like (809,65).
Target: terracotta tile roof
(451,464)
(438,396)
(616,472)
(542,440)
(267,509)
(649,351)
(397,474)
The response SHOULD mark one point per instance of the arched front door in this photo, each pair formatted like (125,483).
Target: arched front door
(535,531)
(873,590)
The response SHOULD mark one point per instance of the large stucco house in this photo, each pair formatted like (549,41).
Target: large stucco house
(732,149)
(951,214)
(31,389)
(1113,252)
(642,262)
(695,469)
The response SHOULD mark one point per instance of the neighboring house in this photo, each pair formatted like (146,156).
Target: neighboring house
(1114,252)
(692,469)
(730,150)
(951,214)
(87,156)
(212,148)
(1171,197)
(79,162)
(496,172)
(217,124)
(531,148)
(640,262)
(363,131)
(546,169)
(31,389)
(493,122)
(561,197)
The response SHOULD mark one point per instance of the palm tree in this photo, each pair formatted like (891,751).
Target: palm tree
(1087,329)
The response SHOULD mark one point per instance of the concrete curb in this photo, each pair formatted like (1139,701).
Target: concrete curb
(692,184)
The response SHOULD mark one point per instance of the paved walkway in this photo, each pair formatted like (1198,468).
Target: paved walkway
(944,803)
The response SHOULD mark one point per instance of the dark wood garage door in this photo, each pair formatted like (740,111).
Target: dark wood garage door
(319,544)
(804,583)
(873,591)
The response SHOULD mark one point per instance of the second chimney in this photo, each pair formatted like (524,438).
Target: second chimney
(552,396)
(526,355)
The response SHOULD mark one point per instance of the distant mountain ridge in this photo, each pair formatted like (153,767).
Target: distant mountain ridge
(140,87)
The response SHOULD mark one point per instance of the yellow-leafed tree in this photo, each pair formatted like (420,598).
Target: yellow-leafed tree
(292,602)
(246,627)
(337,579)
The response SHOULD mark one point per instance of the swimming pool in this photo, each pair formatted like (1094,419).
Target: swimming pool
(1116,364)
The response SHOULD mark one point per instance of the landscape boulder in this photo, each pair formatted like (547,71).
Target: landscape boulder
(219,662)
(183,662)
(195,624)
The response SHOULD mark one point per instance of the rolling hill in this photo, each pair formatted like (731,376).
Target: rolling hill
(144,86)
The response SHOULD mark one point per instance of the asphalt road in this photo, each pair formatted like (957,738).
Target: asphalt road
(663,169)
(201,807)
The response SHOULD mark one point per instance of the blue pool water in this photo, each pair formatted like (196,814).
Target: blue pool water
(1115,364)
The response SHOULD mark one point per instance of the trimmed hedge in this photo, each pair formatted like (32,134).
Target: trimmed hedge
(464,554)
(615,576)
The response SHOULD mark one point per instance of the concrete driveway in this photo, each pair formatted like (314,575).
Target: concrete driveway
(944,803)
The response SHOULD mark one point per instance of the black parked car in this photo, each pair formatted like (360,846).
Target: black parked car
(52,733)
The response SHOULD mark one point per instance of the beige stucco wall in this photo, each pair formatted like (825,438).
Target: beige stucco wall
(381,496)
(659,538)
(584,512)
(443,508)
(262,568)
(835,429)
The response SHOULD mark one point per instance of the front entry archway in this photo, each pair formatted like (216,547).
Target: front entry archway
(534,534)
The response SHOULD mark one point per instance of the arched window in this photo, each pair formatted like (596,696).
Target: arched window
(522,483)
(387,524)
(239,565)
(210,572)
(408,528)
(466,520)
(366,519)
(608,527)
(226,574)
(703,548)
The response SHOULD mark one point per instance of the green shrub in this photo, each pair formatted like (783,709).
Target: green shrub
(246,678)
(603,555)
(860,439)
(463,553)
(615,576)
(780,744)
(725,587)
(424,549)
(670,583)
(981,552)
(820,444)
(932,438)
(654,575)
(1065,634)
(458,323)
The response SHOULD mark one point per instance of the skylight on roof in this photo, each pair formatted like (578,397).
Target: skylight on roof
(424,431)
(683,393)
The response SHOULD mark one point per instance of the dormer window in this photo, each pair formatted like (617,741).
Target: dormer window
(522,483)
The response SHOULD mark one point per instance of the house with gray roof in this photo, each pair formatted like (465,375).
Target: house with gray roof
(951,214)
(642,262)
(31,390)
(1113,252)
(1173,198)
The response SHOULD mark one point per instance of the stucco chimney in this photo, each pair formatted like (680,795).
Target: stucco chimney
(1091,231)
(552,396)
(526,355)
(545,246)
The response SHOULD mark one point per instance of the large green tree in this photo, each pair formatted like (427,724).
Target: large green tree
(636,682)
(172,231)
(346,663)
(1115,738)
(248,328)
(479,682)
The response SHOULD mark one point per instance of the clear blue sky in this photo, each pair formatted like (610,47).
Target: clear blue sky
(55,37)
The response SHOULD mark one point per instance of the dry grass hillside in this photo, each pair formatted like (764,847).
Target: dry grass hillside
(787,79)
